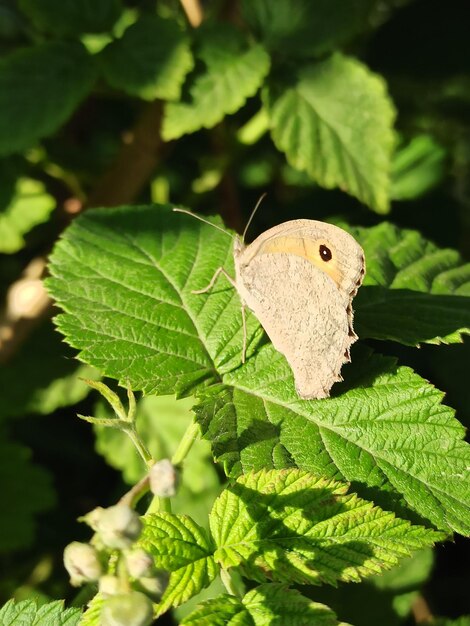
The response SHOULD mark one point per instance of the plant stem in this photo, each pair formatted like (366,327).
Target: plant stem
(139,444)
(136,492)
(184,446)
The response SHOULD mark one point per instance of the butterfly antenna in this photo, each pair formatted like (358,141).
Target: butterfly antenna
(201,219)
(253,213)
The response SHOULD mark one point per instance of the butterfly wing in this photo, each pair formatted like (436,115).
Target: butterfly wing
(305,309)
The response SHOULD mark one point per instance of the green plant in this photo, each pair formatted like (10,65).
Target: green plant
(303,494)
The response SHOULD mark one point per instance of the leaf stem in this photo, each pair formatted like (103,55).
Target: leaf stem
(229,582)
(139,444)
(191,434)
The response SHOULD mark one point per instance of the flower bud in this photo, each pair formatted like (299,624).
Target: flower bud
(153,586)
(109,585)
(164,479)
(139,563)
(129,609)
(118,527)
(82,563)
(93,517)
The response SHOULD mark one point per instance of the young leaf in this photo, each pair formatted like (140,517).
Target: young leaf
(417,167)
(161,423)
(31,205)
(42,376)
(150,60)
(289,526)
(40,87)
(413,291)
(233,72)
(72,17)
(306,28)
(178,545)
(385,427)
(335,122)
(27,613)
(92,613)
(26,491)
(266,605)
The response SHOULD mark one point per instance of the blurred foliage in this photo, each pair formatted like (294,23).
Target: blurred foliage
(340,110)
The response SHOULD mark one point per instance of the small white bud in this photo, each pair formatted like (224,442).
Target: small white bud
(82,563)
(118,527)
(139,563)
(164,479)
(109,585)
(130,609)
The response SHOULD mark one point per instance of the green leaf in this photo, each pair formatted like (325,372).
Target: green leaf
(306,28)
(40,87)
(27,613)
(460,621)
(289,526)
(161,423)
(233,71)
(266,605)
(385,427)
(42,376)
(413,291)
(150,60)
(26,491)
(408,574)
(178,545)
(92,614)
(31,205)
(72,17)
(334,121)
(141,322)
(417,168)
(125,278)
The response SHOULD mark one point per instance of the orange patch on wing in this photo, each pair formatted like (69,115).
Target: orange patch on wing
(307,249)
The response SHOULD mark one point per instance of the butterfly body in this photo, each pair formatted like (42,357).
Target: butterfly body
(299,279)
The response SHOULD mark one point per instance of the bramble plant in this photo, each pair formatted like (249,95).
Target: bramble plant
(244,504)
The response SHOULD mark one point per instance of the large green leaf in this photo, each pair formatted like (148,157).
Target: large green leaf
(270,604)
(72,17)
(125,279)
(333,119)
(150,60)
(413,291)
(289,526)
(40,87)
(28,613)
(385,426)
(233,71)
(304,28)
(282,525)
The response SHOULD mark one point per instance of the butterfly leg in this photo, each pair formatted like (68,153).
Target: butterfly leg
(217,273)
(244,332)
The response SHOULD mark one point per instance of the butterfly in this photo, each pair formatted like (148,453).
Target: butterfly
(299,279)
